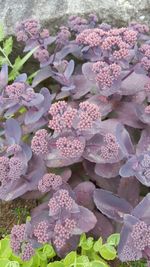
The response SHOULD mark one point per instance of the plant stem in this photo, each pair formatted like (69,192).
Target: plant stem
(3,52)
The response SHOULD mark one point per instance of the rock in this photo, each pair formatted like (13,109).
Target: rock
(54,12)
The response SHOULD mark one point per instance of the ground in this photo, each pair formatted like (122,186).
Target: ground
(14,212)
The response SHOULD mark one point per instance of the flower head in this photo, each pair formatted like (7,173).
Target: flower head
(4,169)
(41,232)
(116,46)
(14,149)
(70,148)
(63,232)
(48,181)
(106,74)
(27,30)
(16,168)
(39,144)
(27,252)
(15,90)
(59,201)
(42,55)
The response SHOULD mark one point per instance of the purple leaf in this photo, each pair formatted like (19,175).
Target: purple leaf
(107,170)
(69,70)
(86,220)
(134,83)
(142,210)
(33,116)
(111,205)
(21,78)
(42,75)
(129,189)
(103,227)
(126,249)
(12,131)
(3,76)
(84,194)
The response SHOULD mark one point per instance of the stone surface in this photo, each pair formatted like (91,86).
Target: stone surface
(52,12)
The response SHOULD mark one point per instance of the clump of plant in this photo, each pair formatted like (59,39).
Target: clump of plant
(80,145)
(89,253)
(40,259)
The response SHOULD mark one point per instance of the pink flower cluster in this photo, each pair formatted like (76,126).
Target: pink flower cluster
(116,41)
(41,232)
(145,50)
(49,180)
(111,147)
(10,169)
(14,149)
(62,116)
(15,90)
(77,24)
(63,35)
(27,252)
(140,235)
(39,144)
(91,37)
(140,28)
(106,74)
(88,114)
(42,55)
(65,117)
(116,46)
(18,91)
(63,232)
(60,200)
(19,244)
(27,30)
(70,147)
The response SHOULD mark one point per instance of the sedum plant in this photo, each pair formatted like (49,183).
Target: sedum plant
(90,253)
(75,135)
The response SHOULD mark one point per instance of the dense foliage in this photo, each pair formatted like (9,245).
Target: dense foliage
(75,135)
(90,253)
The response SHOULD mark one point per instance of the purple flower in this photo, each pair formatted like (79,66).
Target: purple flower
(110,145)
(135,234)
(49,223)
(20,244)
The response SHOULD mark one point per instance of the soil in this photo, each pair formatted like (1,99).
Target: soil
(14,212)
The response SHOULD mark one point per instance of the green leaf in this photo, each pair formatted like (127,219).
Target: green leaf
(14,257)
(82,261)
(41,255)
(99,264)
(49,251)
(4,262)
(19,62)
(5,251)
(98,244)
(70,259)
(108,252)
(114,239)
(28,263)
(2,34)
(30,78)
(87,244)
(56,264)
(36,260)
(82,239)
(3,60)
(14,71)
(7,46)
(43,264)
(12,264)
